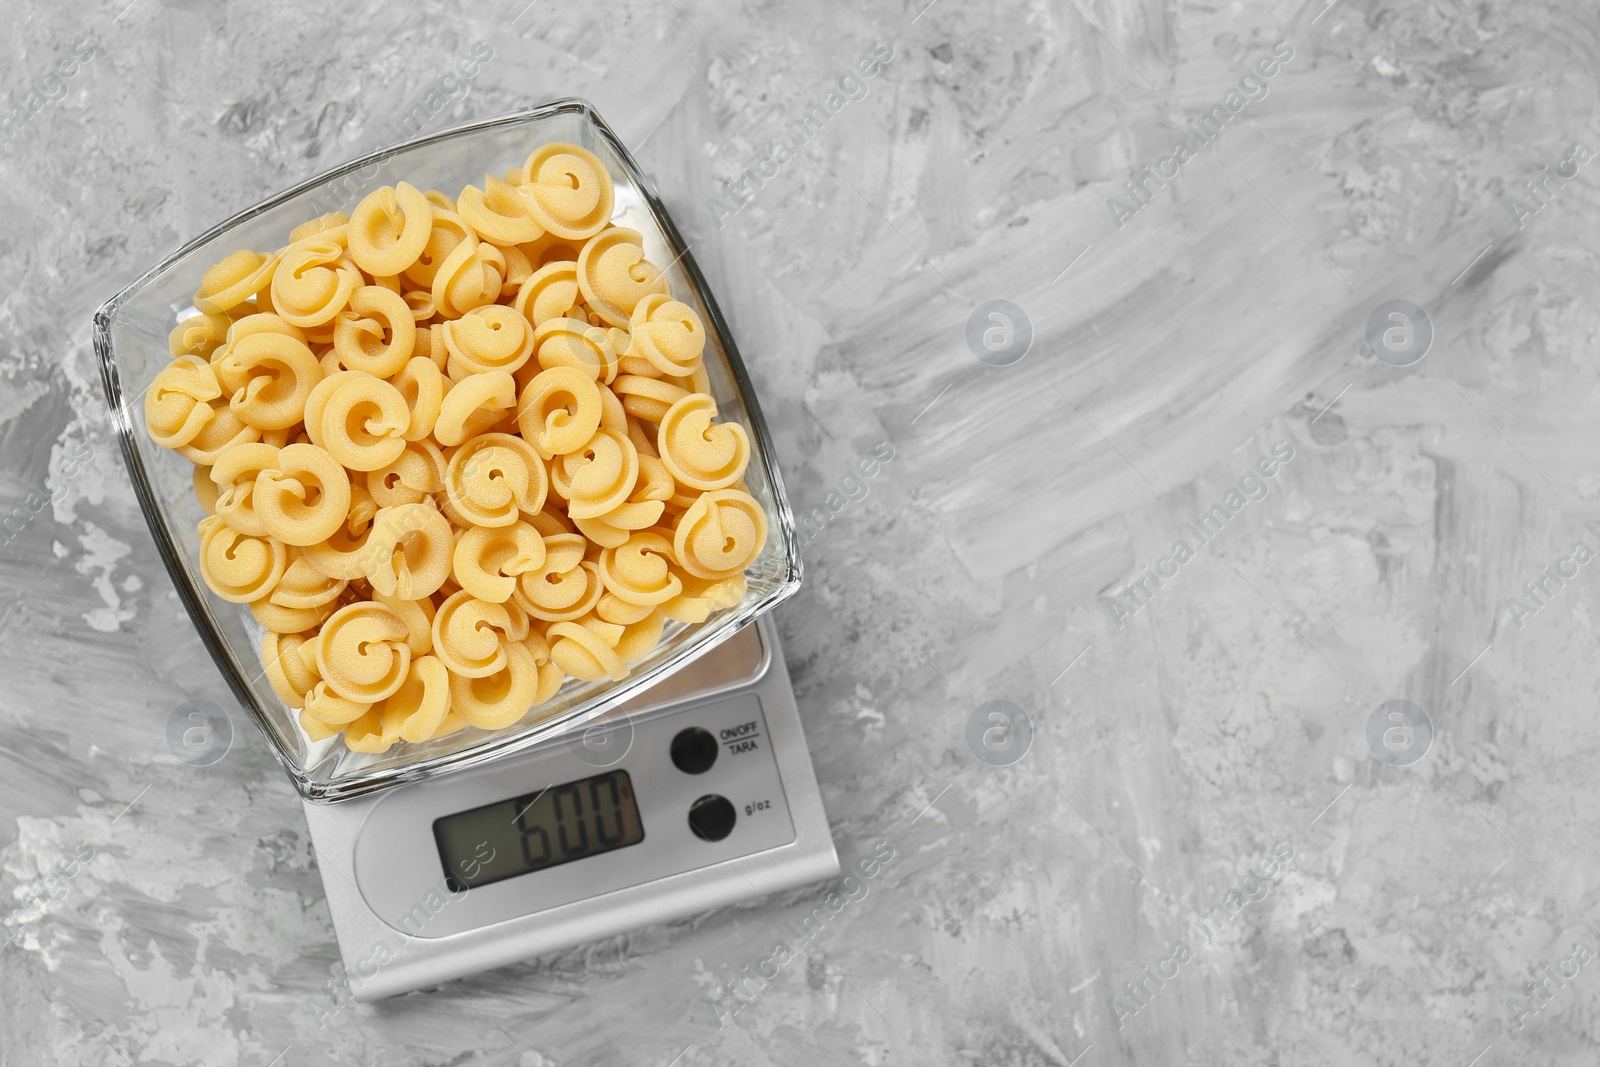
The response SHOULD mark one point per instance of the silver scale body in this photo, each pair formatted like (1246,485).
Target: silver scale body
(401,928)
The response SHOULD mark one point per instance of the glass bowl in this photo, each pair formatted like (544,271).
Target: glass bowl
(130,339)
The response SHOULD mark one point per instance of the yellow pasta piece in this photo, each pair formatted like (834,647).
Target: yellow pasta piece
(488,559)
(567,190)
(640,637)
(720,535)
(550,676)
(448,233)
(313,282)
(566,587)
(612,609)
(407,554)
(415,475)
(639,571)
(646,398)
(497,213)
(177,404)
(582,649)
(200,335)
(238,567)
(303,587)
(552,249)
(359,332)
(421,385)
(418,617)
(389,229)
(304,498)
(518,271)
(222,431)
(362,652)
(551,292)
(415,711)
(233,281)
(340,555)
(496,701)
(205,490)
(471,636)
(359,419)
(668,333)
(559,411)
(575,343)
(288,671)
(334,226)
(430,343)
(614,276)
(328,708)
(495,478)
(699,453)
(271,375)
(469,277)
(281,620)
(473,405)
(598,477)
(701,597)
(233,477)
(488,338)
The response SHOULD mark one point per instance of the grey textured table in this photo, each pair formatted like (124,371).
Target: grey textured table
(1201,858)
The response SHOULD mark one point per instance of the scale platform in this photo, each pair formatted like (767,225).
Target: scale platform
(697,793)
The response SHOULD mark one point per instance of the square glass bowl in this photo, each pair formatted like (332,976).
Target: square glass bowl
(130,339)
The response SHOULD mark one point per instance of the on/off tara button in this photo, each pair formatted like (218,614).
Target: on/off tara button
(694,750)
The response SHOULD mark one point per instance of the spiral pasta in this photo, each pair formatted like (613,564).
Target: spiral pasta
(720,535)
(200,335)
(238,567)
(313,282)
(498,213)
(361,420)
(614,276)
(415,475)
(177,405)
(566,587)
(494,478)
(488,559)
(474,405)
(488,338)
(234,478)
(577,344)
(550,292)
(407,554)
(303,496)
(452,452)
(359,331)
(699,453)
(600,475)
(362,652)
(233,281)
(389,230)
(668,333)
(567,191)
(559,411)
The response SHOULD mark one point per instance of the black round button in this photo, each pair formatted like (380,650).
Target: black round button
(694,750)
(712,817)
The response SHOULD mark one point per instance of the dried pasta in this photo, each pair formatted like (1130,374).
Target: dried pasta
(455,452)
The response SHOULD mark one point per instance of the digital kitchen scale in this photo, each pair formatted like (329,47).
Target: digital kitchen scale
(696,793)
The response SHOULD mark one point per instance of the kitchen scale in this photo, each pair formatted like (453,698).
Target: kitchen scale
(696,793)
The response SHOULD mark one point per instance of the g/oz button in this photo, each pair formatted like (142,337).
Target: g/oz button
(712,817)
(694,750)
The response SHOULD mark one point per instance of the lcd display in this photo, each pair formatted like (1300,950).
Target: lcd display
(528,833)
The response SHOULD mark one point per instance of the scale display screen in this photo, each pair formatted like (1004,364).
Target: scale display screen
(546,829)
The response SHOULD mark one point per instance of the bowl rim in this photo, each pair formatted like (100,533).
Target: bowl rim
(219,647)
